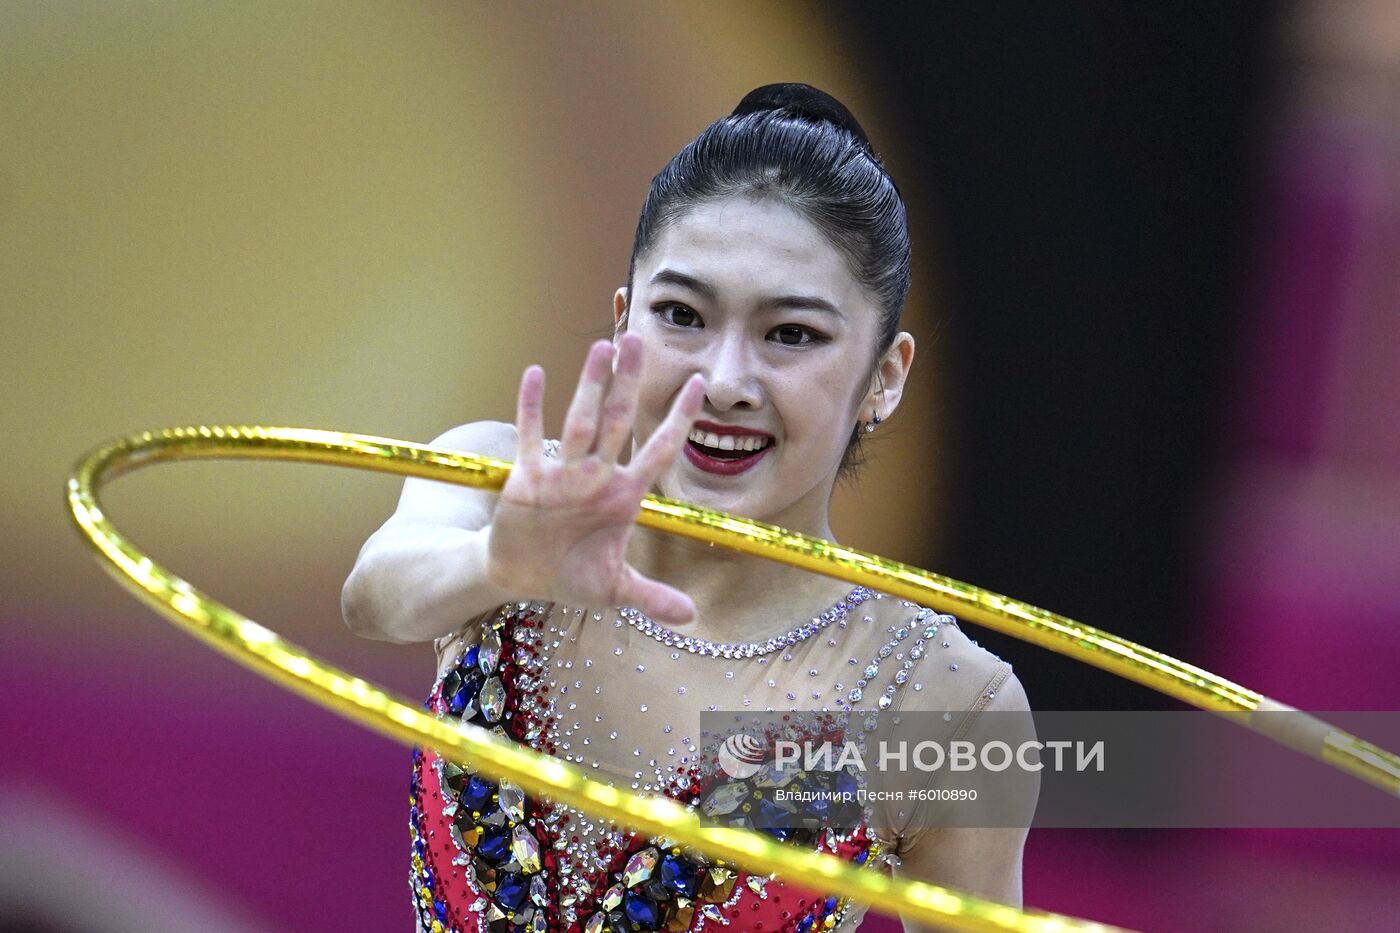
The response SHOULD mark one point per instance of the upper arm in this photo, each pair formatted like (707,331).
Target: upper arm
(434,502)
(982,861)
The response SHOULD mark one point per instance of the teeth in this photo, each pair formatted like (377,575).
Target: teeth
(728,441)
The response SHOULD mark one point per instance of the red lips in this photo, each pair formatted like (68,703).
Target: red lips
(728,466)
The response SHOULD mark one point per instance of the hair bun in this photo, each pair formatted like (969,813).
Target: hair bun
(805,101)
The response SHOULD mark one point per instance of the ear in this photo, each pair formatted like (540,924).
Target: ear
(887,383)
(620,310)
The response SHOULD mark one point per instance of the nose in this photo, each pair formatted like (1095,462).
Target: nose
(731,376)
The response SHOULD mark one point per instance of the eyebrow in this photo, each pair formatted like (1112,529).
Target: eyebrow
(701,287)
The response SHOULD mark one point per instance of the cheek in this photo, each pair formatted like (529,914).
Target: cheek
(664,371)
(820,408)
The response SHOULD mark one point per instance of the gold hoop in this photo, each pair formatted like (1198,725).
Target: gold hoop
(268,654)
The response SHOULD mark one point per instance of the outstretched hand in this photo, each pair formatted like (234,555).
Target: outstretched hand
(562,523)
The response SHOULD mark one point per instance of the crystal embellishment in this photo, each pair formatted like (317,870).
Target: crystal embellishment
(526,849)
(639,867)
(746,649)
(493,699)
(512,800)
(490,652)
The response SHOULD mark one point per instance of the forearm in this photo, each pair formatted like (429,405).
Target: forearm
(416,582)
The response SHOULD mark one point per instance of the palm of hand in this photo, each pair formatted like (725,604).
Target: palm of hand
(562,524)
(562,530)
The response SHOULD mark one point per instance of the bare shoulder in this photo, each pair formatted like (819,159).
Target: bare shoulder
(433,502)
(489,438)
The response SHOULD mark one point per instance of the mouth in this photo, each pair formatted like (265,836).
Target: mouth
(725,452)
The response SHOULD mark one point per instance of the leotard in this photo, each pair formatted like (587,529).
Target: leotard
(614,693)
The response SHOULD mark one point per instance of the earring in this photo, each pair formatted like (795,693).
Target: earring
(870,425)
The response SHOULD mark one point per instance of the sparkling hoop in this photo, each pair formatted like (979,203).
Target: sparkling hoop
(268,654)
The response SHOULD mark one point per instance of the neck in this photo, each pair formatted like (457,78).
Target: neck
(738,597)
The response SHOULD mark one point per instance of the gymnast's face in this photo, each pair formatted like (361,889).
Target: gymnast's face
(753,296)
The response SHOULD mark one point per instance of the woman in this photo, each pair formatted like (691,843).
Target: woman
(756,340)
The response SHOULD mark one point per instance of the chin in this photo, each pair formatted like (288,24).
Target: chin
(737,501)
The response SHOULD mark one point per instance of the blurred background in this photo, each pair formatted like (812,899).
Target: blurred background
(1158,385)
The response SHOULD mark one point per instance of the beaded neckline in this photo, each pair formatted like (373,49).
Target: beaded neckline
(751,649)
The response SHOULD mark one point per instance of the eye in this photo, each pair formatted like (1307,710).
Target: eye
(678,315)
(795,335)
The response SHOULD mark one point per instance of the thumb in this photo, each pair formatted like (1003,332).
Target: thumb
(657,601)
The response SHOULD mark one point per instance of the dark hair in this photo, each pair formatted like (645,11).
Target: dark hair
(802,146)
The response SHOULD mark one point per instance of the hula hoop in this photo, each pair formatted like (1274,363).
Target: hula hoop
(268,654)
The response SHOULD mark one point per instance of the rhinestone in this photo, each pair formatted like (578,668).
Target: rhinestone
(640,912)
(490,652)
(512,800)
(525,848)
(952,667)
(613,899)
(725,799)
(492,699)
(639,867)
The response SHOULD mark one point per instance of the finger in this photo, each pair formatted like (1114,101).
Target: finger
(657,601)
(620,405)
(529,417)
(581,422)
(661,448)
